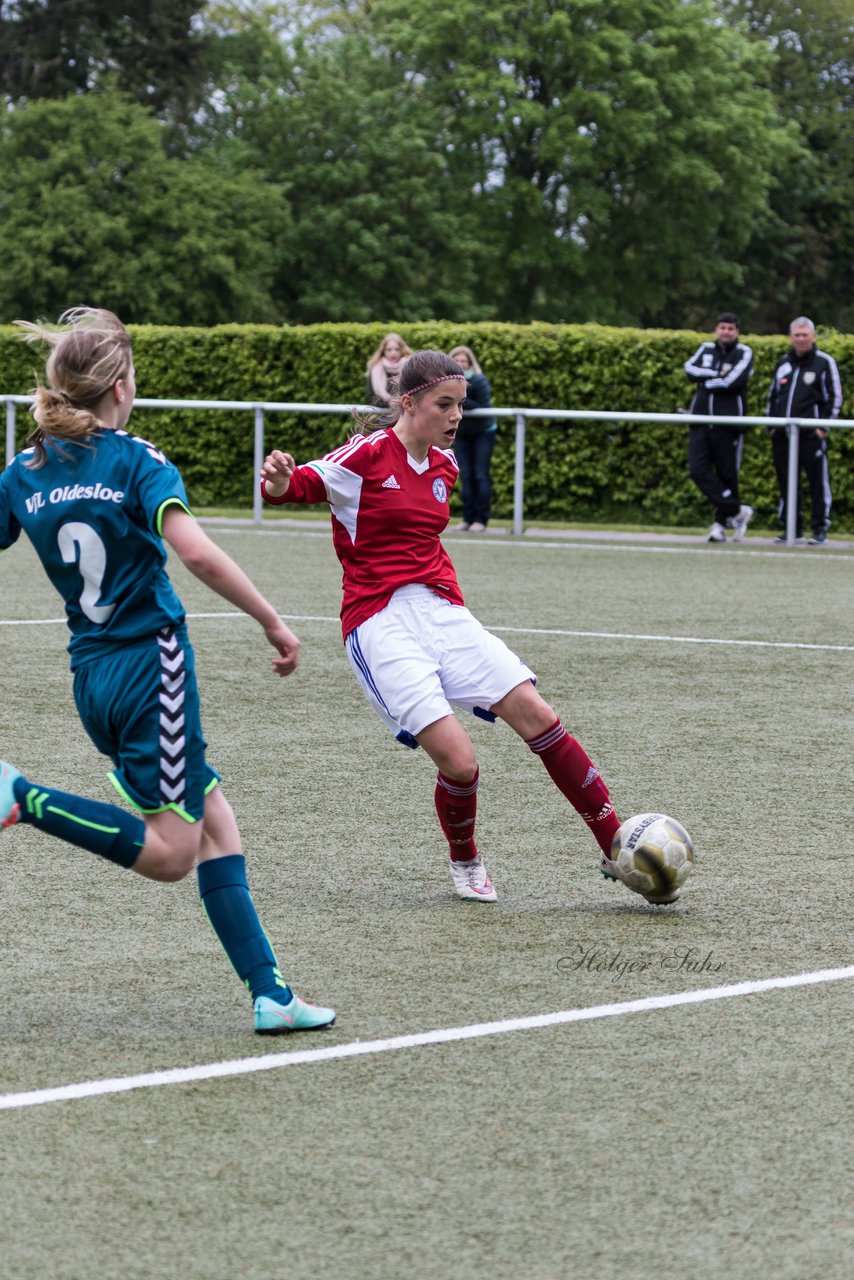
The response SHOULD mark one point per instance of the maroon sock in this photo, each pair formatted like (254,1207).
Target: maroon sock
(572,771)
(456,805)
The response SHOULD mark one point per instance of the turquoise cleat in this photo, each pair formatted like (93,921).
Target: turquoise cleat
(274,1019)
(10,810)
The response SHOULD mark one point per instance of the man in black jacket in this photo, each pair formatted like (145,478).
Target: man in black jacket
(805,385)
(721,371)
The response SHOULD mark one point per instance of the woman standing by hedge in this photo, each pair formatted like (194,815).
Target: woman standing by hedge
(383,369)
(474,444)
(97,505)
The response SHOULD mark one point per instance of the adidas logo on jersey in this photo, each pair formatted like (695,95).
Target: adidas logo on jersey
(391,483)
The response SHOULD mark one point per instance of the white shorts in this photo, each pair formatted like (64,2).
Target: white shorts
(421,653)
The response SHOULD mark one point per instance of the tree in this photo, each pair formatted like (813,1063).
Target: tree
(618,152)
(98,213)
(554,159)
(623,161)
(801,257)
(150,48)
(378,227)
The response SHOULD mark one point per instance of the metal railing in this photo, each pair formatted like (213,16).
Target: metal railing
(262,407)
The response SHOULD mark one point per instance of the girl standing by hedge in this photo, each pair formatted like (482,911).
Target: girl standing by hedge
(474,444)
(97,505)
(383,369)
(414,648)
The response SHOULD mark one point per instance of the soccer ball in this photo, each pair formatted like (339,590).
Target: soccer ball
(652,854)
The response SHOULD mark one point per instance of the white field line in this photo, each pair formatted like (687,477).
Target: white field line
(620,635)
(527,631)
(743,550)
(447,1035)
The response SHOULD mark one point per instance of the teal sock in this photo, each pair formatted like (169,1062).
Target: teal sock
(226,899)
(101,828)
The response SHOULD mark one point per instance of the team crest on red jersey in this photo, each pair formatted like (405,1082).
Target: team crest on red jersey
(440,490)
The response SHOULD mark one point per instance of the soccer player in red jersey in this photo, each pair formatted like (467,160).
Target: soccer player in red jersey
(415,648)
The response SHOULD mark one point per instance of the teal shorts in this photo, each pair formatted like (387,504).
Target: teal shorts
(140,707)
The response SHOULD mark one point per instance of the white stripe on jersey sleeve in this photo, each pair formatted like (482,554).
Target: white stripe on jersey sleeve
(344,450)
(343,492)
(834,397)
(343,486)
(450,455)
(352,446)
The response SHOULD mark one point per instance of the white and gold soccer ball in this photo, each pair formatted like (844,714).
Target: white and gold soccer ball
(652,854)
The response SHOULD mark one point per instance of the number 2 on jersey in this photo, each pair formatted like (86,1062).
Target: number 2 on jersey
(79,544)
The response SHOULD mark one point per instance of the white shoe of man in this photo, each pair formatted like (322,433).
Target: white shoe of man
(717,533)
(740,522)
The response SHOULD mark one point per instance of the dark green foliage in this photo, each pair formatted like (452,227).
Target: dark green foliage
(620,152)
(50,48)
(597,472)
(571,163)
(376,207)
(800,258)
(97,209)
(631,163)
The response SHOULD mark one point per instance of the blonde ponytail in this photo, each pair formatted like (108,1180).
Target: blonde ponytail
(91,351)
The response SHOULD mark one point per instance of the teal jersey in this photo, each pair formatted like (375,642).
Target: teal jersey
(93,514)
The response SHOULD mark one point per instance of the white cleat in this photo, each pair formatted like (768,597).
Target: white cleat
(471,881)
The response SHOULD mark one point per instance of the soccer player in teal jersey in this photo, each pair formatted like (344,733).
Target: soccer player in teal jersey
(97,505)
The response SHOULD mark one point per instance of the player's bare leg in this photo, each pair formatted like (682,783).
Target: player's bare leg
(164,846)
(170,848)
(450,748)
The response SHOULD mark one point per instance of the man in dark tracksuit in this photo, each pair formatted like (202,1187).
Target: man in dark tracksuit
(721,371)
(805,385)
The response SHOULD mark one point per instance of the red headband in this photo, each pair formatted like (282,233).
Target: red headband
(446,377)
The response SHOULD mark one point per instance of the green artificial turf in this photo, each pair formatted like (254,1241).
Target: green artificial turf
(706,1141)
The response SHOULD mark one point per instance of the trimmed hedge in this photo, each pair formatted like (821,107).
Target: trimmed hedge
(600,472)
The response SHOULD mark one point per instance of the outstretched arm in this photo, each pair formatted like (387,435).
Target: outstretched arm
(276,473)
(212,566)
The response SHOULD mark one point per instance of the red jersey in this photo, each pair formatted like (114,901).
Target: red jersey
(388,512)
